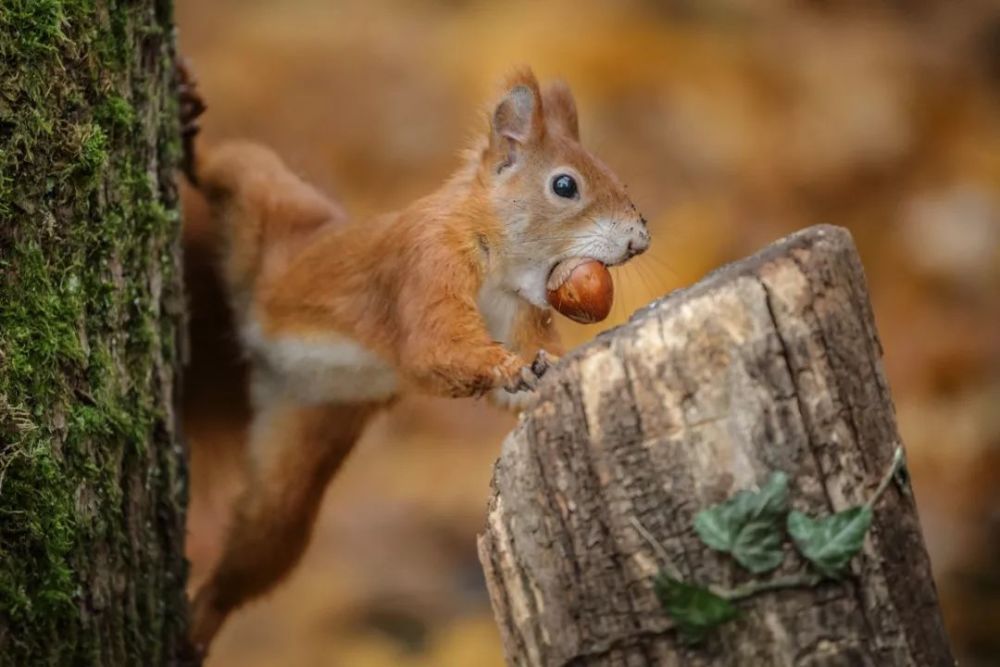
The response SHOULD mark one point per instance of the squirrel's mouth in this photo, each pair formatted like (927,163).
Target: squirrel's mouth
(563,269)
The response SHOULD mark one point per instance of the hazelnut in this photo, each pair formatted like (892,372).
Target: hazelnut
(581,289)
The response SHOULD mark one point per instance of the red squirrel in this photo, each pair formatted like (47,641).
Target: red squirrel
(338,317)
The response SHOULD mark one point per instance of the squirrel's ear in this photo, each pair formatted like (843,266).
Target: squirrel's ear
(517,119)
(515,115)
(560,108)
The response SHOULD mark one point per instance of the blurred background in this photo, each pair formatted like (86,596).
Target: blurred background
(734,122)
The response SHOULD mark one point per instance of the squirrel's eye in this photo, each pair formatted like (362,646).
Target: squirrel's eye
(564,185)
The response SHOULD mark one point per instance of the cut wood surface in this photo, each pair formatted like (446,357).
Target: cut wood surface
(769,364)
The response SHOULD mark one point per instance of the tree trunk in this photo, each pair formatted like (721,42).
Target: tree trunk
(92,476)
(769,364)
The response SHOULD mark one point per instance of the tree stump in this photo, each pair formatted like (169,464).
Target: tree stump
(769,364)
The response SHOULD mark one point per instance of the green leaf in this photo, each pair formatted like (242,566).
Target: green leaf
(831,541)
(758,546)
(694,609)
(749,525)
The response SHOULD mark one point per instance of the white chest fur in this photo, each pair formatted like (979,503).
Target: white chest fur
(316,369)
(498,307)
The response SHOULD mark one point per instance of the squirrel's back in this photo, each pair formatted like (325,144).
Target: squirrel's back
(265,213)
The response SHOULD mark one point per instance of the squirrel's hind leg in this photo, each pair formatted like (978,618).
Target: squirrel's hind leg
(293,453)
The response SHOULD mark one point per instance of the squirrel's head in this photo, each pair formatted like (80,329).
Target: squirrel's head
(554,199)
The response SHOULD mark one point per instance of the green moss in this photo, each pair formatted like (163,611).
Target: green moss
(35,27)
(92,154)
(116,111)
(88,468)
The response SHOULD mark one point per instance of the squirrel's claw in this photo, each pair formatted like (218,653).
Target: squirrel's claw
(543,361)
(191,107)
(192,104)
(528,376)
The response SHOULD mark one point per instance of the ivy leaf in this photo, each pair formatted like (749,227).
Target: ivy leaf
(748,525)
(831,541)
(758,545)
(694,609)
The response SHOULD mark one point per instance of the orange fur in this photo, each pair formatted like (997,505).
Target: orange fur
(445,297)
(295,451)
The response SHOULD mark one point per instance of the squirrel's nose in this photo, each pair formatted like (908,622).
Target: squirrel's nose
(639,241)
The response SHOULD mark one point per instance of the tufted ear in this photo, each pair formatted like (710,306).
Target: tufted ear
(560,108)
(517,120)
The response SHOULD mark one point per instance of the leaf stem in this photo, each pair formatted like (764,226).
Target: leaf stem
(756,587)
(665,562)
(897,462)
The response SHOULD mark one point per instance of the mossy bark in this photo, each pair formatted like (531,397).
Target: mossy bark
(92,477)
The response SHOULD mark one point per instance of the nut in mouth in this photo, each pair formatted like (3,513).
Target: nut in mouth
(581,288)
(562,270)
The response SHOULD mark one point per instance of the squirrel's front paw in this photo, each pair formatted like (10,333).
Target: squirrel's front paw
(527,377)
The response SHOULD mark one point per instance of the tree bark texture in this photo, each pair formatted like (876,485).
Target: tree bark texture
(92,475)
(772,363)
